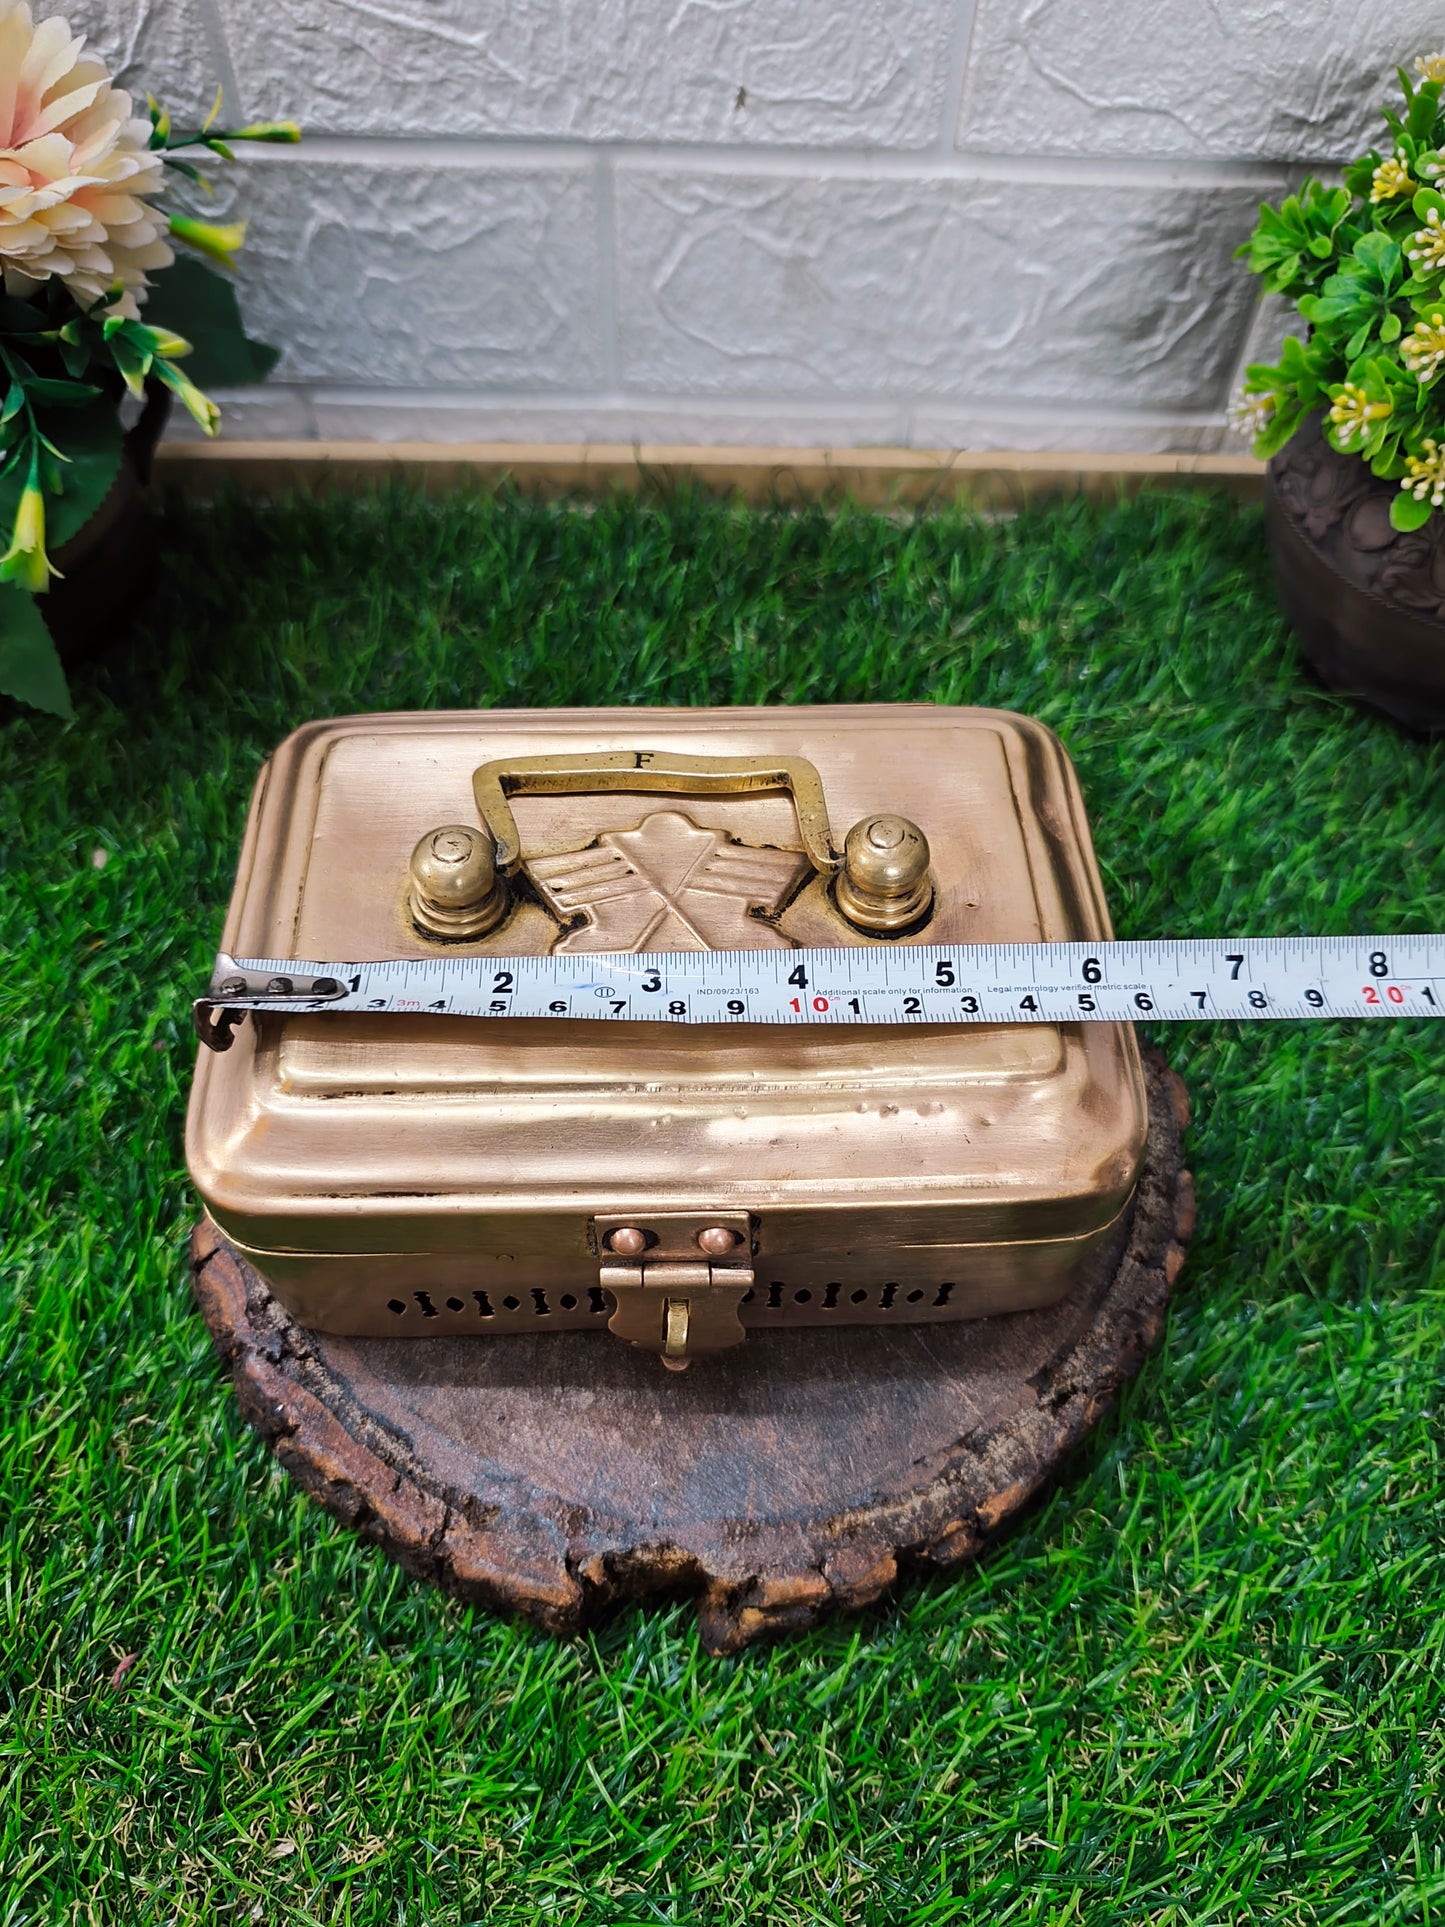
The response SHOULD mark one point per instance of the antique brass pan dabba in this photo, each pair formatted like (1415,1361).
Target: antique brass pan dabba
(418,1175)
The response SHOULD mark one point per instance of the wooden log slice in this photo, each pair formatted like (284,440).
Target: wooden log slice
(557,1476)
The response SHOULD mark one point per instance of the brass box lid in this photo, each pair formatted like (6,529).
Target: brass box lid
(351,1139)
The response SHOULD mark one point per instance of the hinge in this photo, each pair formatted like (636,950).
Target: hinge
(676,1281)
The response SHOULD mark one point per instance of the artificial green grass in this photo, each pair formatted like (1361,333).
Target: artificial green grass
(1200,1684)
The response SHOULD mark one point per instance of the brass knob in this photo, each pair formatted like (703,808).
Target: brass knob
(717,1240)
(454,890)
(884,884)
(627,1241)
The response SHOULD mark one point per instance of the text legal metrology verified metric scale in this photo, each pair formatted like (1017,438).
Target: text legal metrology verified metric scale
(1208,978)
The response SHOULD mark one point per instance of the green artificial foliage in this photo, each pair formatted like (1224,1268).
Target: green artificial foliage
(1200,1684)
(1364,264)
(91,437)
(65,363)
(29,666)
(197,303)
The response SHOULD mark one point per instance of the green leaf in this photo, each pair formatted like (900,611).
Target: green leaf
(20,317)
(192,301)
(29,664)
(184,168)
(1283,275)
(196,402)
(1421,118)
(1426,202)
(133,365)
(1302,361)
(90,438)
(1359,174)
(1380,254)
(1390,328)
(1406,513)
(75,355)
(1387,461)
(1356,343)
(1293,244)
(60,394)
(1282,425)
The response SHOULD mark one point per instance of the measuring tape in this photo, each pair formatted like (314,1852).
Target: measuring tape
(995,983)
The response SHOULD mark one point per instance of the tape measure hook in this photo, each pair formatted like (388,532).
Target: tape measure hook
(216,1022)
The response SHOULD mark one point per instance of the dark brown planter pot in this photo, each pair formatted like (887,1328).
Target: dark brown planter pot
(1367,603)
(108,570)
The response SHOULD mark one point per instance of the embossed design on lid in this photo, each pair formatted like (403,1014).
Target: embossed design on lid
(669,885)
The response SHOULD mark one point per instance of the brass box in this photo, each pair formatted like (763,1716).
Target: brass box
(416,1175)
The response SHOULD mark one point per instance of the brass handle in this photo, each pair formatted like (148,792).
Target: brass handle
(652,769)
(457,890)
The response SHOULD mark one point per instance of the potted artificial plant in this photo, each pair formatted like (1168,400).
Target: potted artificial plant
(1352,416)
(83,244)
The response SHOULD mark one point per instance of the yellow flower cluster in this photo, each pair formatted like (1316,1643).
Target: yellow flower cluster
(1250,414)
(1390,178)
(1427,474)
(1352,411)
(1423,349)
(1431,66)
(1427,244)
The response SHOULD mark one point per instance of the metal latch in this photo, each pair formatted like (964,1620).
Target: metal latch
(676,1281)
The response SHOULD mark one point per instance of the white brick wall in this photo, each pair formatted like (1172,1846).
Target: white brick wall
(936,223)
